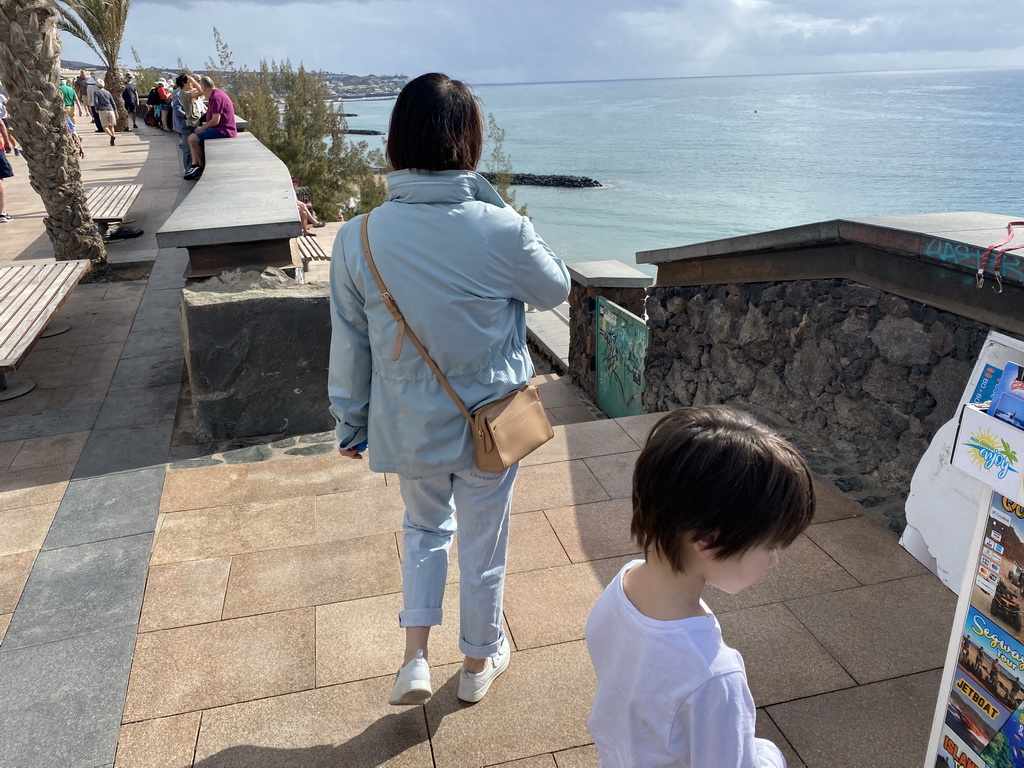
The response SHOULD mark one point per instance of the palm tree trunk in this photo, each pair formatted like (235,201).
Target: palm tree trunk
(30,68)
(114,81)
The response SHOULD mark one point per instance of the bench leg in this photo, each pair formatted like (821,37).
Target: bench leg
(55,328)
(19,388)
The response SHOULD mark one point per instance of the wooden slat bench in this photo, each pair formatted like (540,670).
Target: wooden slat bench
(30,296)
(310,250)
(110,205)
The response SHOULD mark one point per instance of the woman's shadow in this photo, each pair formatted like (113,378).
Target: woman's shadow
(382,741)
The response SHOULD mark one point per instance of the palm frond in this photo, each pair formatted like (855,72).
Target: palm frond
(98,23)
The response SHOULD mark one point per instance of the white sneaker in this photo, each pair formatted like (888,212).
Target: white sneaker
(473,686)
(412,683)
(5,217)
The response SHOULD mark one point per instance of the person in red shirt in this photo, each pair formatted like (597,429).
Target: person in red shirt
(219,124)
(165,104)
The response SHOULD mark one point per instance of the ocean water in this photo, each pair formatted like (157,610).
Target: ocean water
(688,160)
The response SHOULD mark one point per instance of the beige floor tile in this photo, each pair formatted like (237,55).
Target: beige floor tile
(865,549)
(537,761)
(559,484)
(45,485)
(44,399)
(638,427)
(571,414)
(48,451)
(167,742)
(218,531)
(359,639)
(577,757)
(23,529)
(203,487)
(390,478)
(581,441)
(95,373)
(210,665)
(551,605)
(615,473)
(885,725)
(528,711)
(766,729)
(594,531)
(341,726)
(831,504)
(883,630)
(179,594)
(352,514)
(97,352)
(7,453)
(314,574)
(14,571)
(554,392)
(314,475)
(5,622)
(784,661)
(532,544)
(803,569)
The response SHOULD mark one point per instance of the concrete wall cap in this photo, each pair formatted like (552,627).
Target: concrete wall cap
(607,274)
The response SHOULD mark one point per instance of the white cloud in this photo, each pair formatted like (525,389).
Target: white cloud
(578,39)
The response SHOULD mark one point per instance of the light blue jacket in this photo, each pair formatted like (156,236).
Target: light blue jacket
(460,264)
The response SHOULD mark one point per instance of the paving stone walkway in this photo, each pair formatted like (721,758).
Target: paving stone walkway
(219,611)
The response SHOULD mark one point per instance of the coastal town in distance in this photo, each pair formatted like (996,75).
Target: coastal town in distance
(342,87)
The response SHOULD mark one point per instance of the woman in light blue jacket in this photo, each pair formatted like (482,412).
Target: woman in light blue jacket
(460,264)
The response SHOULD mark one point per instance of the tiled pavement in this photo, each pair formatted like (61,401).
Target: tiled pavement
(257,627)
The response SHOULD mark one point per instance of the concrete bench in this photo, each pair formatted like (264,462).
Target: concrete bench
(30,296)
(309,250)
(241,213)
(110,205)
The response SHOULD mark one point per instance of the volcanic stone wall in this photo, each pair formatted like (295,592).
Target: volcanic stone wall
(870,374)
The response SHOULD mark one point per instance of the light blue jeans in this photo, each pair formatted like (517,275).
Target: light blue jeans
(483,501)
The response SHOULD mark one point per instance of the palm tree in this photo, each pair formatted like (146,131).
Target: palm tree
(30,68)
(100,25)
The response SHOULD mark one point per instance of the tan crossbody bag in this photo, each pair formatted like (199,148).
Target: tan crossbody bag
(505,430)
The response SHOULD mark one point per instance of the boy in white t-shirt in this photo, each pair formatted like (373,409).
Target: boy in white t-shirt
(715,495)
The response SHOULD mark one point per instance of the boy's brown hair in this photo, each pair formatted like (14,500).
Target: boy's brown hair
(436,125)
(716,473)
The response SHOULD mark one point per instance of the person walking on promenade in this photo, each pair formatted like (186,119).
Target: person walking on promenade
(106,110)
(81,87)
(220,124)
(461,265)
(716,495)
(6,172)
(130,97)
(70,100)
(6,120)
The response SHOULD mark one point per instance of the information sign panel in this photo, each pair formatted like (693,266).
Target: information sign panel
(621,348)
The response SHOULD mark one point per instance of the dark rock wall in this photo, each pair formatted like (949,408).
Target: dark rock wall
(870,374)
(256,351)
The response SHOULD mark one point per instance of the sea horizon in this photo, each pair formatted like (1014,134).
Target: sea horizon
(693,159)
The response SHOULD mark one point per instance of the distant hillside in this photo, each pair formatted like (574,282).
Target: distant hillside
(70,64)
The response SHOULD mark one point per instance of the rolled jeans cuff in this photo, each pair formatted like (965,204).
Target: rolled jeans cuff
(481,651)
(420,617)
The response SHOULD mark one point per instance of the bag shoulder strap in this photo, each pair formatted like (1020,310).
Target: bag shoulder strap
(403,328)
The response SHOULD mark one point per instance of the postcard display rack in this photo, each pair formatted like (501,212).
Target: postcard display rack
(979,721)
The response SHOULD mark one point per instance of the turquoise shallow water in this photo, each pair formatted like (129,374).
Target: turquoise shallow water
(691,160)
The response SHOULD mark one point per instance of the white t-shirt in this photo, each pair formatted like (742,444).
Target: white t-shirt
(669,693)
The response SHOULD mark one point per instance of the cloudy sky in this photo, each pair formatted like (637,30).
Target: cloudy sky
(543,40)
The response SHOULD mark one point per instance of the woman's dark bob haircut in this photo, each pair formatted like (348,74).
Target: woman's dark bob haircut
(716,473)
(436,125)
